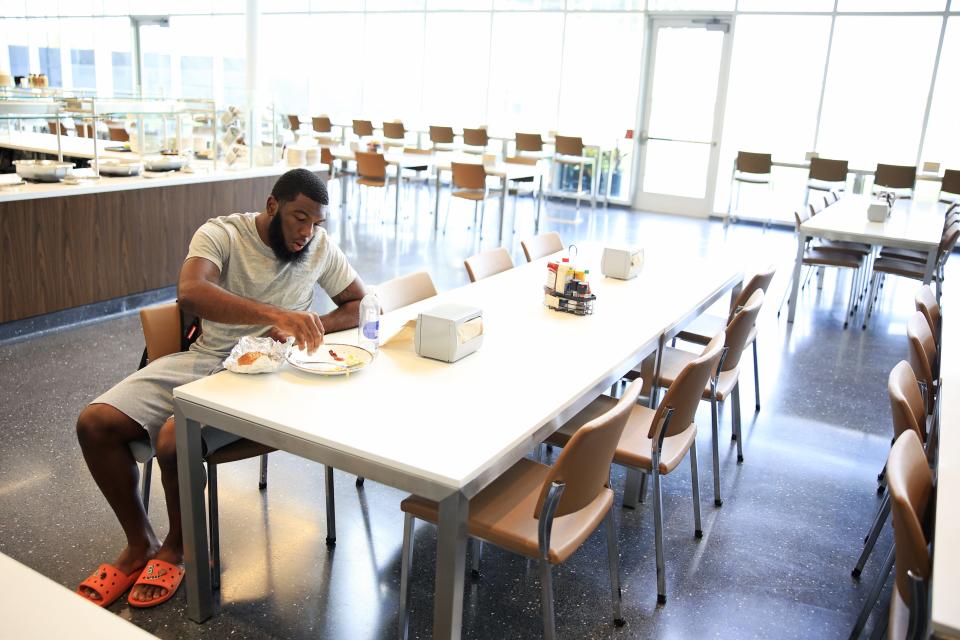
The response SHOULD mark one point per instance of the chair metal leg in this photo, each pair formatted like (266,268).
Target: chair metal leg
(872,597)
(756,375)
(871,300)
(406,560)
(613,558)
(546,600)
(331,508)
(820,273)
(213,516)
(852,297)
(476,550)
(145,484)
(883,514)
(658,532)
(359,481)
(633,490)
(263,471)
(737,434)
(714,419)
(695,485)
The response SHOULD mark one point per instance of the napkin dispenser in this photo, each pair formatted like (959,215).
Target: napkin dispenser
(621,263)
(449,332)
(878,211)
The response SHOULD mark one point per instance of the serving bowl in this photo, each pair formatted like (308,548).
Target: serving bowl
(117,167)
(42,170)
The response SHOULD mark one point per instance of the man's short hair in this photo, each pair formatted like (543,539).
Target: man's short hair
(300,182)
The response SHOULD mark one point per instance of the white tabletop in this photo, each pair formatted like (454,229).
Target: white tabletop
(945,584)
(499,169)
(391,157)
(203,172)
(72,146)
(911,225)
(35,607)
(446,424)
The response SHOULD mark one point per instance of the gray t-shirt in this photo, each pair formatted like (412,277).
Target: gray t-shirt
(249,268)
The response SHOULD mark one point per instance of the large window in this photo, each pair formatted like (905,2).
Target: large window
(50,65)
(942,141)
(122,72)
(82,68)
(19,60)
(455,85)
(877,86)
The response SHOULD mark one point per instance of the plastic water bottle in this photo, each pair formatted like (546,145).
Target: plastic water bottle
(368,328)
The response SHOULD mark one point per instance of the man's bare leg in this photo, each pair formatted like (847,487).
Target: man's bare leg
(172,549)
(104,433)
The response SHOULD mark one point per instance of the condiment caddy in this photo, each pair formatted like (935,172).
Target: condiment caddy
(567,288)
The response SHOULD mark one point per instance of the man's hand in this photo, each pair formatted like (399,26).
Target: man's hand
(305,327)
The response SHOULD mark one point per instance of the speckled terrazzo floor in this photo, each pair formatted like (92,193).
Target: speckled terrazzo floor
(774,562)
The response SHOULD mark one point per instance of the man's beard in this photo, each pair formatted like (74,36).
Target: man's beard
(279,245)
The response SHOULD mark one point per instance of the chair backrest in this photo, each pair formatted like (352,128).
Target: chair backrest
(467,175)
(475,137)
(294,122)
(161,329)
(541,245)
(529,142)
(569,145)
(926,301)
(488,263)
(84,130)
(760,281)
(910,484)
(684,394)
(404,290)
(817,206)
(362,128)
(322,124)
(54,126)
(117,132)
(394,130)
(948,240)
(895,176)
(738,329)
(828,170)
(326,156)
(799,217)
(922,352)
(906,401)
(951,181)
(441,135)
(371,165)
(584,464)
(748,162)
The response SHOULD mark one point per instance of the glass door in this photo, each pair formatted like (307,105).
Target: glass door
(688,62)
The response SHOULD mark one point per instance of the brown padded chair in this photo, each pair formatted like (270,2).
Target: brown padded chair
(914,269)
(906,406)
(162,334)
(540,512)
(371,169)
(752,168)
(922,356)
(117,132)
(488,263)
(950,186)
(322,124)
(708,325)
(951,218)
(394,134)
(294,122)
(910,483)
(362,128)
(569,152)
(541,245)
(475,140)
(656,441)
(926,303)
(817,257)
(827,175)
(404,290)
(442,138)
(724,384)
(895,177)
(469,182)
(529,143)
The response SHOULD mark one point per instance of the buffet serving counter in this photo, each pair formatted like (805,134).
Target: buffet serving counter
(64,246)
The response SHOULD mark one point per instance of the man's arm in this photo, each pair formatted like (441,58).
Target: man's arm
(199,293)
(347,313)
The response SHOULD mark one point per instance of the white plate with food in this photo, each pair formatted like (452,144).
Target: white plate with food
(331,359)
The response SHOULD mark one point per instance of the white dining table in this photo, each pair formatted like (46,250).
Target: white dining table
(506,171)
(445,431)
(911,225)
(34,607)
(69,146)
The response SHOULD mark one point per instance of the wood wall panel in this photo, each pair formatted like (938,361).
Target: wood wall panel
(57,253)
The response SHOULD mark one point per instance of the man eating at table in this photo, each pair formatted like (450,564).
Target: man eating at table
(244,274)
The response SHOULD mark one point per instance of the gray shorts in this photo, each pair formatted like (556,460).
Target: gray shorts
(146,396)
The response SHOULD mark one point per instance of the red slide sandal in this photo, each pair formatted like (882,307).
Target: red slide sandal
(158,573)
(108,583)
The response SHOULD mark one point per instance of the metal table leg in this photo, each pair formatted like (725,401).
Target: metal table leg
(196,557)
(451,562)
(795,285)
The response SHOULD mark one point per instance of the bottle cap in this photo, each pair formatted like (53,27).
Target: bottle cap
(565,260)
